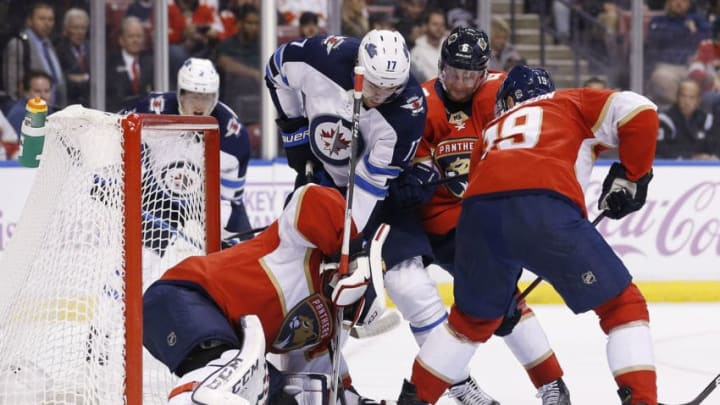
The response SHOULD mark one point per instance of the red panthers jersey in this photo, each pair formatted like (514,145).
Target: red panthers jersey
(551,142)
(450,133)
(276,274)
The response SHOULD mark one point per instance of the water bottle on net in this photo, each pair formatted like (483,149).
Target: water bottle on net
(33,132)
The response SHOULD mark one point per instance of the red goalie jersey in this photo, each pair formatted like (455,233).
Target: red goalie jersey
(448,139)
(535,146)
(276,274)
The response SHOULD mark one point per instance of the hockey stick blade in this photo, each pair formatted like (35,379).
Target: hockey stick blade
(382,325)
(704,394)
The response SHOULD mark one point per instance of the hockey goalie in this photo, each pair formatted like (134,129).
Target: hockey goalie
(212,319)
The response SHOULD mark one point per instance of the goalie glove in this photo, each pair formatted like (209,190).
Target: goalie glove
(362,292)
(621,196)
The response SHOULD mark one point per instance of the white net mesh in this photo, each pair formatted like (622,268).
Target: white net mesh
(62,290)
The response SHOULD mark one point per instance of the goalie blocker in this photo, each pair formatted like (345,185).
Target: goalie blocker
(211,319)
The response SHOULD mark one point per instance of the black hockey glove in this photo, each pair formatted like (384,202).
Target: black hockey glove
(296,142)
(412,188)
(621,196)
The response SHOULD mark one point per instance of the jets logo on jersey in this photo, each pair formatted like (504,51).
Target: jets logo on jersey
(157,104)
(330,139)
(452,156)
(181,178)
(414,104)
(233,127)
(307,324)
(332,42)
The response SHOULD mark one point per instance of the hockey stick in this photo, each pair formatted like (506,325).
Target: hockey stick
(704,394)
(246,233)
(538,280)
(382,325)
(345,249)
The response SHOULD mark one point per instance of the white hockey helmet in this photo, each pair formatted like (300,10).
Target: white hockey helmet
(199,78)
(386,59)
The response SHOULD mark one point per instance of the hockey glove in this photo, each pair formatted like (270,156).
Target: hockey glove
(621,196)
(296,142)
(412,187)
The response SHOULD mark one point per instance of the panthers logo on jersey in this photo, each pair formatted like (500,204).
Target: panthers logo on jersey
(453,158)
(306,325)
(331,139)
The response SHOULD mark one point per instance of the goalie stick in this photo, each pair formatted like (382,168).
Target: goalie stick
(382,325)
(538,280)
(704,394)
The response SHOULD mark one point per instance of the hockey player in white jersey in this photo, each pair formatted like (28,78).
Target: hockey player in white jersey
(198,86)
(311,83)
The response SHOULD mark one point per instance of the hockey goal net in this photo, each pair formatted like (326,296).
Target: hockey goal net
(116,201)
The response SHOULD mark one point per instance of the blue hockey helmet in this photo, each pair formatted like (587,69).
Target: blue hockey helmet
(523,83)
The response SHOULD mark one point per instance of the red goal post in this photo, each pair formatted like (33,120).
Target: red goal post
(115,202)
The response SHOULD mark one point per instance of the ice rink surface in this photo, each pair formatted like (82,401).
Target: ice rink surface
(687,352)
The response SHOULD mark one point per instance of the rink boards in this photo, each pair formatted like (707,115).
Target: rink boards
(672,246)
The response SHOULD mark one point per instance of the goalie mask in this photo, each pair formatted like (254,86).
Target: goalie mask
(361,294)
(198,85)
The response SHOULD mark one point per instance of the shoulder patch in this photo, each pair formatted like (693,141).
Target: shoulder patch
(307,324)
(157,104)
(414,104)
(332,42)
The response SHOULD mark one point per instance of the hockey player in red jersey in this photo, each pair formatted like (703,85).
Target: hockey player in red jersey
(211,319)
(525,208)
(460,102)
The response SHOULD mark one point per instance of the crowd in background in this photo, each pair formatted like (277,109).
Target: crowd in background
(45,52)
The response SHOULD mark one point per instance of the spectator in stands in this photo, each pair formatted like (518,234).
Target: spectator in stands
(34,50)
(409,19)
(425,54)
(354,18)
(686,132)
(9,139)
(36,83)
(671,41)
(292,10)
(194,28)
(704,69)
(142,9)
(130,69)
(308,25)
(73,52)
(503,55)
(595,83)
(238,58)
(382,21)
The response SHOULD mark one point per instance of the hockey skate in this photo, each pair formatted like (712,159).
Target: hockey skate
(408,396)
(554,393)
(626,396)
(467,392)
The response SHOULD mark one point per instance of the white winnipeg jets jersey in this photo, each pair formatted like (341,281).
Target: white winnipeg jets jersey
(314,78)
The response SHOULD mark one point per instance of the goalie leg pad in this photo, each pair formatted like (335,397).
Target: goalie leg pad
(178,319)
(237,377)
(304,389)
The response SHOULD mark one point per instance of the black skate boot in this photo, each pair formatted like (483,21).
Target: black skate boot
(626,396)
(467,392)
(408,396)
(554,393)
